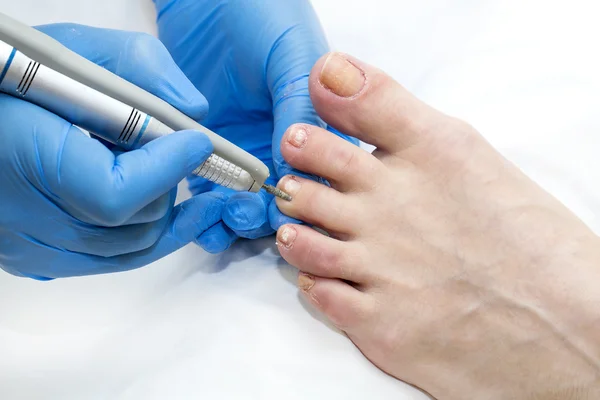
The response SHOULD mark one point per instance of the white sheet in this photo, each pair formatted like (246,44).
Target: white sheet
(232,326)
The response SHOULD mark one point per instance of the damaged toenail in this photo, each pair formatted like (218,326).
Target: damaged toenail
(286,236)
(292,186)
(341,77)
(298,137)
(305,282)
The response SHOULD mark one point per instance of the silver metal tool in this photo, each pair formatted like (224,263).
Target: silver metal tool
(122,116)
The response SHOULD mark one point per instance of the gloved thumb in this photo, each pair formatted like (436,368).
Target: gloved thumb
(287,75)
(288,70)
(109,189)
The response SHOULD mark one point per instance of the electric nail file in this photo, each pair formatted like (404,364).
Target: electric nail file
(38,69)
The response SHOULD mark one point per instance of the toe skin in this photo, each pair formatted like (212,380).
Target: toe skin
(317,151)
(317,254)
(382,112)
(345,306)
(320,205)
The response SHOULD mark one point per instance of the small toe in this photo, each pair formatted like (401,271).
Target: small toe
(345,166)
(345,306)
(317,254)
(320,205)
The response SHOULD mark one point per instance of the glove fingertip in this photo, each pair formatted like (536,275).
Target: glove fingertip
(191,102)
(217,239)
(245,212)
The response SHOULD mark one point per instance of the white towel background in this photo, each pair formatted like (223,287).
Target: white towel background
(196,326)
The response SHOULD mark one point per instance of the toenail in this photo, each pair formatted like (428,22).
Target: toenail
(286,236)
(298,137)
(292,186)
(341,77)
(305,282)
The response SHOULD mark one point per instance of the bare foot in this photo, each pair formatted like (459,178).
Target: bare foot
(446,266)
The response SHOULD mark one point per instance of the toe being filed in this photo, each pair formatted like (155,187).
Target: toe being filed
(319,205)
(317,254)
(345,306)
(314,150)
(382,112)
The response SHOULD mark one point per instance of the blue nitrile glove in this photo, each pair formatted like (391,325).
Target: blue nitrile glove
(251,59)
(69,205)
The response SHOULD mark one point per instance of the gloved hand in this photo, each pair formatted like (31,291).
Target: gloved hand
(70,205)
(251,59)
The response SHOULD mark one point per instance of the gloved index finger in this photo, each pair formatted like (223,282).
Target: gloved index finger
(137,57)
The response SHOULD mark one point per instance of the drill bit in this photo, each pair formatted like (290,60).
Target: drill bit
(277,192)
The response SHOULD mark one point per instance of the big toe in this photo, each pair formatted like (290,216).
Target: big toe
(364,102)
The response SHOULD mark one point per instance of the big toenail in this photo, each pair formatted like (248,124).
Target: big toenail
(305,282)
(341,77)
(286,236)
(292,186)
(298,137)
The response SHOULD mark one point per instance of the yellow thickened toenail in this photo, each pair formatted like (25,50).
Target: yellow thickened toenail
(341,76)
(298,137)
(286,236)
(292,186)
(305,282)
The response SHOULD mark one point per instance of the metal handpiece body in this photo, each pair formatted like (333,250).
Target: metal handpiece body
(99,114)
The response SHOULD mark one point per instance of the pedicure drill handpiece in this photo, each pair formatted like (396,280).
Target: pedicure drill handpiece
(44,72)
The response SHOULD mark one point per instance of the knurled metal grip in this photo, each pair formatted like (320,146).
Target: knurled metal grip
(52,54)
(105,117)
(224,173)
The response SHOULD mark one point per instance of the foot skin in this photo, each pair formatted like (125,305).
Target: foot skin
(445,265)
